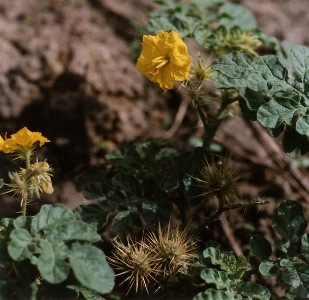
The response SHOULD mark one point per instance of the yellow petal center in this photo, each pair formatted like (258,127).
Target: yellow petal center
(159,61)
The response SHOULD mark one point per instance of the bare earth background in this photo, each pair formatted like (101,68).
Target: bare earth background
(67,69)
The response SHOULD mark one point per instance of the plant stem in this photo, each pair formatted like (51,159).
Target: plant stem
(212,126)
(24,203)
(226,208)
(24,199)
(27,161)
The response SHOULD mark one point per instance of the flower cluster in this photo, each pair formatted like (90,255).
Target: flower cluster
(32,182)
(164,59)
(28,182)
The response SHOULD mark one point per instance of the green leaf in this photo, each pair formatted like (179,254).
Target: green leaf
(50,214)
(101,191)
(214,254)
(167,21)
(126,158)
(1,183)
(150,149)
(234,65)
(305,246)
(284,246)
(122,224)
(281,110)
(171,183)
(298,277)
(219,278)
(275,132)
(22,222)
(91,269)
(212,294)
(249,102)
(94,214)
(129,183)
(260,246)
(52,263)
(300,59)
(88,294)
(268,268)
(289,97)
(157,210)
(235,15)
(20,247)
(253,290)
(74,231)
(295,144)
(94,191)
(290,221)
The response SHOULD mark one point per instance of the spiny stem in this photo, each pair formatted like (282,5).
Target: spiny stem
(227,208)
(24,199)
(24,203)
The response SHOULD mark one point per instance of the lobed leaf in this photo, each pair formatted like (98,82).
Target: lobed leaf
(253,290)
(298,277)
(157,211)
(74,231)
(101,191)
(20,246)
(129,183)
(94,214)
(214,254)
(49,215)
(123,223)
(22,222)
(290,221)
(52,263)
(269,94)
(219,278)
(212,294)
(235,15)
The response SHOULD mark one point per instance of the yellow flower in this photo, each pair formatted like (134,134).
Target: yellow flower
(23,138)
(164,59)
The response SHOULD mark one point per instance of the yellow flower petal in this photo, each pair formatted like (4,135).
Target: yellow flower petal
(164,59)
(24,138)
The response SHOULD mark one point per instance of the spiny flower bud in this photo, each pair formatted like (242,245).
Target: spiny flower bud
(175,249)
(18,185)
(200,71)
(193,93)
(42,176)
(136,262)
(219,180)
(32,182)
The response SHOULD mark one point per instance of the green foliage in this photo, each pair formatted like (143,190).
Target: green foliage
(227,277)
(142,180)
(291,265)
(217,24)
(52,249)
(269,94)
